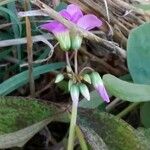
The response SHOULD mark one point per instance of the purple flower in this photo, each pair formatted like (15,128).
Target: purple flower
(74,14)
(99,86)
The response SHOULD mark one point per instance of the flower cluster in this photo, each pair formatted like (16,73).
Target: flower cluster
(67,39)
(76,88)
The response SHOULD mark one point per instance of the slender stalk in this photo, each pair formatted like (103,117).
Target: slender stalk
(76,61)
(81,138)
(68,61)
(86,68)
(72,127)
(128,109)
(112,105)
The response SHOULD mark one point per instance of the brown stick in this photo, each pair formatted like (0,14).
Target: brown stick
(30,55)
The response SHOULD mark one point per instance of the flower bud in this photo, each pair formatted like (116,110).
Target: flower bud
(70,83)
(59,78)
(99,86)
(84,91)
(74,92)
(87,78)
(68,69)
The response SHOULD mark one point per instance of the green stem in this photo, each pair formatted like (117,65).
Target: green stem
(112,105)
(68,61)
(128,109)
(86,68)
(72,127)
(76,62)
(81,138)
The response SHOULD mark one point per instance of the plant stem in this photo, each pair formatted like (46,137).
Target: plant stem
(76,61)
(128,109)
(81,138)
(72,127)
(86,68)
(112,105)
(68,61)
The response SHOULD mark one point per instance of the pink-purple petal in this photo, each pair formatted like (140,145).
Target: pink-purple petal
(54,27)
(89,22)
(72,9)
(103,93)
(65,14)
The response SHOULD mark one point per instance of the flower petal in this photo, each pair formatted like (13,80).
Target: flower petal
(89,22)
(54,27)
(75,12)
(65,14)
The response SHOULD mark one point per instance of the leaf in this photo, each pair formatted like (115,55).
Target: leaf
(5,53)
(126,91)
(21,137)
(21,79)
(138,54)
(144,114)
(16,27)
(21,118)
(13,16)
(61,6)
(3,2)
(145,134)
(93,139)
(94,102)
(117,134)
(145,7)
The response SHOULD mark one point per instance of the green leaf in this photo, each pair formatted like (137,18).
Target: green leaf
(3,2)
(145,134)
(145,7)
(21,79)
(94,102)
(5,53)
(21,118)
(95,141)
(138,54)
(117,134)
(126,91)
(13,16)
(61,6)
(144,114)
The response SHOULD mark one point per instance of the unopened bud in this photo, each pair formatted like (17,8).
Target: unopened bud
(99,86)
(74,92)
(70,83)
(59,78)
(84,91)
(87,78)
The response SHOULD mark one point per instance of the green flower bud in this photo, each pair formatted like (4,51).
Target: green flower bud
(59,78)
(96,79)
(87,78)
(74,92)
(84,91)
(68,69)
(70,83)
